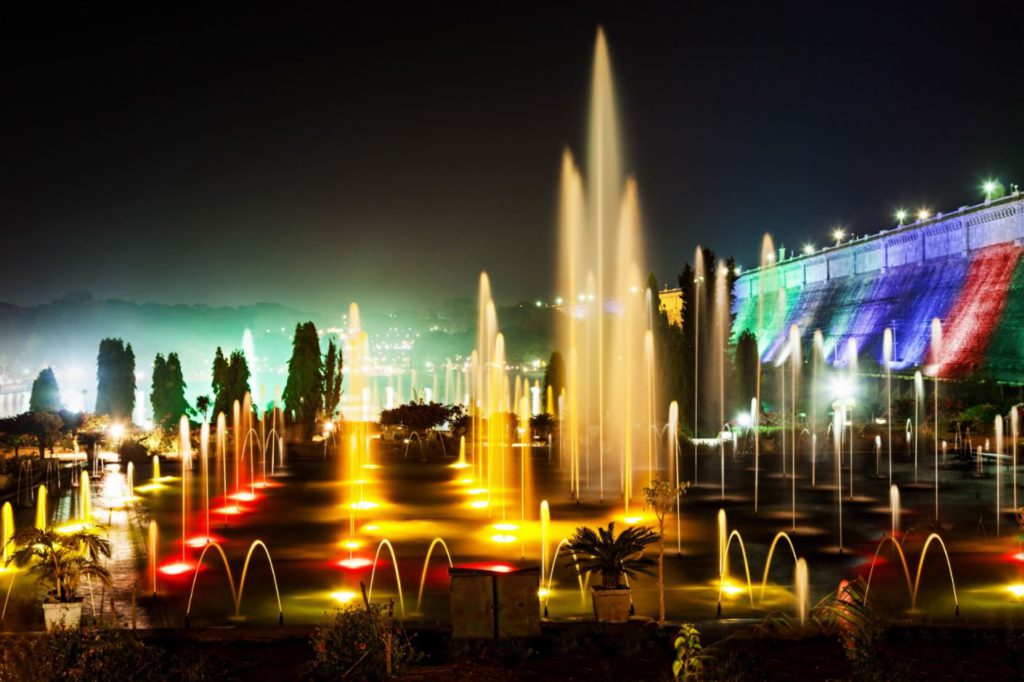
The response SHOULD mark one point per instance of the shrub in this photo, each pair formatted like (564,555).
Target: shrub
(353,642)
(689,660)
(100,653)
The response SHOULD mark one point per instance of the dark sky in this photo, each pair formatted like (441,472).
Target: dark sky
(387,155)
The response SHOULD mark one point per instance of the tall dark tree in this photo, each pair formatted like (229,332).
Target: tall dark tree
(230,381)
(115,378)
(45,393)
(554,376)
(221,399)
(746,365)
(168,395)
(697,286)
(668,341)
(237,378)
(303,390)
(158,393)
(176,403)
(333,363)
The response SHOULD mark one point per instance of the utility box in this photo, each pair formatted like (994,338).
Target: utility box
(489,604)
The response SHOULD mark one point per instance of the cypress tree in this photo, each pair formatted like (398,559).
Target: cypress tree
(332,379)
(219,384)
(158,395)
(303,390)
(176,403)
(237,378)
(45,393)
(115,379)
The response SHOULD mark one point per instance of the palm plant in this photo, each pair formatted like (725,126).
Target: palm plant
(61,560)
(612,556)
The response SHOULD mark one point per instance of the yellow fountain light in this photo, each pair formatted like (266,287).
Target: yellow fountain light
(371,466)
(632,520)
(505,526)
(351,544)
(460,465)
(731,589)
(371,527)
(344,596)
(364,504)
(1016,589)
(543,592)
(478,504)
(503,538)
(476,491)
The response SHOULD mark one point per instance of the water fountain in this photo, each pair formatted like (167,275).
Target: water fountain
(894,505)
(937,360)
(914,588)
(426,562)
(41,511)
(6,531)
(236,595)
(999,469)
(599,275)
(887,362)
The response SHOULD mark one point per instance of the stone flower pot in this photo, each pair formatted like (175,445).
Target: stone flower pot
(611,605)
(68,614)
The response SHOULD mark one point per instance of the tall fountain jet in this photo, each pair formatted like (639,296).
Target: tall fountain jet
(600,278)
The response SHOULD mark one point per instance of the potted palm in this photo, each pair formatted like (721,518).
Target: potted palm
(59,562)
(614,558)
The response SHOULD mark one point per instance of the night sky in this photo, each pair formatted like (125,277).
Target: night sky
(387,156)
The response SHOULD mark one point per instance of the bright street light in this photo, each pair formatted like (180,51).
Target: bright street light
(901,215)
(839,234)
(808,249)
(924,214)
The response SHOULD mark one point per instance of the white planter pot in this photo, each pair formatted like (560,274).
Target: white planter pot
(611,606)
(68,614)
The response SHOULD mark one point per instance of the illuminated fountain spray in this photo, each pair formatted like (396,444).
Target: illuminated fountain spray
(673,450)
(41,515)
(720,325)
(918,397)
(937,360)
(755,418)
(878,456)
(802,590)
(85,499)
(1014,433)
(153,536)
(696,298)
(894,506)
(851,360)
(652,426)
(204,468)
(545,529)
(999,470)
(221,455)
(156,469)
(600,261)
(185,450)
(817,355)
(887,361)
(795,362)
(839,422)
(6,530)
